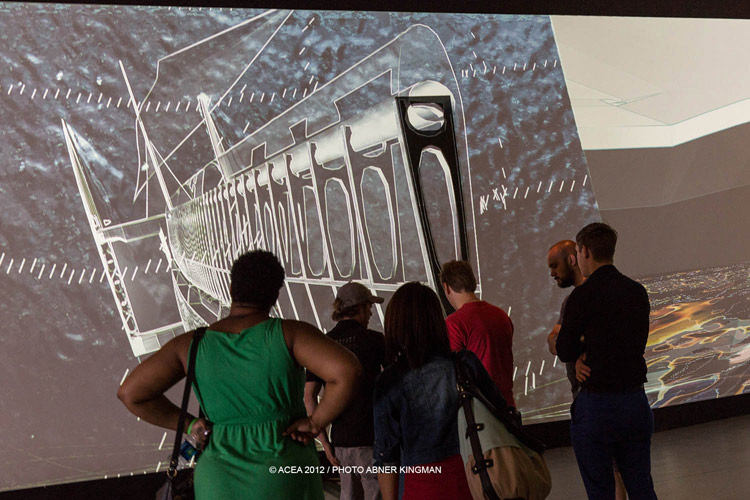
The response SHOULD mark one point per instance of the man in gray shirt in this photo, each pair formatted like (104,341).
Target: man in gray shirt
(563,266)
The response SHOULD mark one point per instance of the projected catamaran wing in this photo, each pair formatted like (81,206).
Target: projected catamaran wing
(121,248)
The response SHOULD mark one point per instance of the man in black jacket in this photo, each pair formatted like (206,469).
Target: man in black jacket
(607,318)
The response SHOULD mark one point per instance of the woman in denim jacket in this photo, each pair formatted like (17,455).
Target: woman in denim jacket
(416,401)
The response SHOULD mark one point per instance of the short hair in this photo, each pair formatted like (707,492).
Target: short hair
(415,325)
(338,313)
(256,278)
(600,239)
(458,275)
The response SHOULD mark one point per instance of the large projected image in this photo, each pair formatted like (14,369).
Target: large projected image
(324,184)
(145,148)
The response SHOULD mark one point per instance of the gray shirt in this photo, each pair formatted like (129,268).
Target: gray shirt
(570,368)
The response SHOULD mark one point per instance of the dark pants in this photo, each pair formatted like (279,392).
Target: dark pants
(613,426)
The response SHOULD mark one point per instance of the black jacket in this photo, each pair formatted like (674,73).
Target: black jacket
(608,318)
(354,427)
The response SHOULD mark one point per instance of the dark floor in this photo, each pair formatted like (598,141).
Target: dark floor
(702,462)
(707,461)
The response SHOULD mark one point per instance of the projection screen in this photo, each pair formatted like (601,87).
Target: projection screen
(144,148)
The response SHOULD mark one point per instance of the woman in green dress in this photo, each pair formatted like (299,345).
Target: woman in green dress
(250,383)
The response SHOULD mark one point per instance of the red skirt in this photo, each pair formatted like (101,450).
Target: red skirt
(428,484)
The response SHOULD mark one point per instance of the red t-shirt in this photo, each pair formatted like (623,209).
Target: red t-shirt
(487,331)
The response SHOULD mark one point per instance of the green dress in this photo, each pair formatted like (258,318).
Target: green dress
(251,389)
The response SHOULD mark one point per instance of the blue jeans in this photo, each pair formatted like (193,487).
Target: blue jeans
(613,426)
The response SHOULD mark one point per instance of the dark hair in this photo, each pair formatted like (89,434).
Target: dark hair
(600,239)
(414,325)
(257,277)
(458,275)
(340,313)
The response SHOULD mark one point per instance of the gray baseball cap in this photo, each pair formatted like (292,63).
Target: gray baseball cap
(354,294)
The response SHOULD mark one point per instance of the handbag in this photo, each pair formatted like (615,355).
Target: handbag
(501,461)
(179,484)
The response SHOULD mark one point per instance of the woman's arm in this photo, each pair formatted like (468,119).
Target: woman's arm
(312,389)
(335,364)
(143,390)
(387,446)
(388,482)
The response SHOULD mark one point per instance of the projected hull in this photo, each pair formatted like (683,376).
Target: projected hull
(329,206)
(360,180)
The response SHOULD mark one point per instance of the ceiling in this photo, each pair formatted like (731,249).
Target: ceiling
(654,82)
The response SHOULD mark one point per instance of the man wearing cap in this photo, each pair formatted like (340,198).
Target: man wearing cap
(352,433)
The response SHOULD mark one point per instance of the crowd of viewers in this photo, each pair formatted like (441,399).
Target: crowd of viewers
(269,387)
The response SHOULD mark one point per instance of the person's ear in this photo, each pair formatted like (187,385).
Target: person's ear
(446,289)
(585,252)
(572,260)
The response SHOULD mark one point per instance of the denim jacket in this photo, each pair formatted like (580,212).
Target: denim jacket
(416,410)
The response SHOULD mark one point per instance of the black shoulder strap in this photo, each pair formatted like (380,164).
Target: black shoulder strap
(472,430)
(197,336)
(508,416)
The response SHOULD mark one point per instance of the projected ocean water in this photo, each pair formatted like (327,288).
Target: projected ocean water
(699,342)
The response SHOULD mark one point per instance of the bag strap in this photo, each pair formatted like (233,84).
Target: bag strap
(509,417)
(472,431)
(197,336)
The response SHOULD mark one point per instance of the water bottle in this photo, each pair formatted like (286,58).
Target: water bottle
(188,452)
(190,448)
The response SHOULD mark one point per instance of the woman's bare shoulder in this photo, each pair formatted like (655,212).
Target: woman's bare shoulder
(294,329)
(298,325)
(179,347)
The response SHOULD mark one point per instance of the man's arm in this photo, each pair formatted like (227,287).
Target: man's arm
(568,344)
(583,372)
(644,315)
(456,337)
(552,339)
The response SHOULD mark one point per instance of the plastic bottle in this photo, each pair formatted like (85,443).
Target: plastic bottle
(188,451)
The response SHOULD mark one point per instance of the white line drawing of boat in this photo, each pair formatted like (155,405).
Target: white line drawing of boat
(362,179)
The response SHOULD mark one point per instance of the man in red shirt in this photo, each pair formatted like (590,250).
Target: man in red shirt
(478,326)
